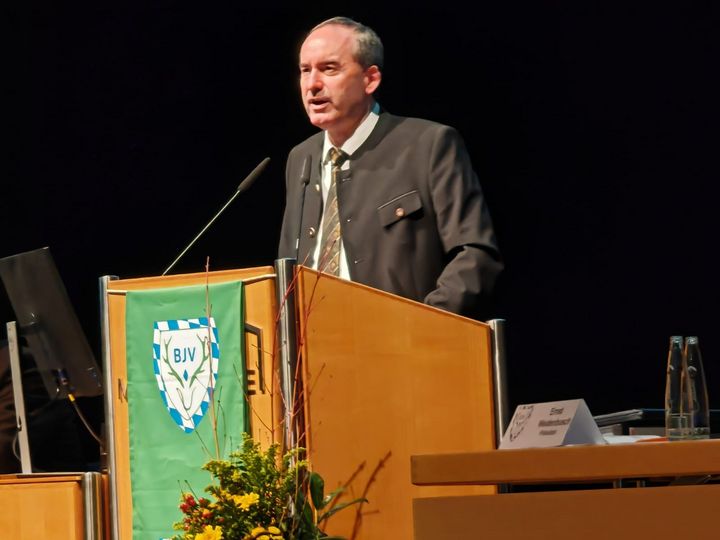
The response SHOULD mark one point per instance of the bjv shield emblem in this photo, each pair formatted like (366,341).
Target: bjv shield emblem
(186,354)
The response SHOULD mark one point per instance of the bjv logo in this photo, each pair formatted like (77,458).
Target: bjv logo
(186,353)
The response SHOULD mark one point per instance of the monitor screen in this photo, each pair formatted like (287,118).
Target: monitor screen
(48,323)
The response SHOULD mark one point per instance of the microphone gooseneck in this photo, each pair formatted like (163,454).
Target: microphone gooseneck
(244,185)
(304,180)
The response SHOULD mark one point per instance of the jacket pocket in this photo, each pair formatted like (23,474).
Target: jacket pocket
(399,208)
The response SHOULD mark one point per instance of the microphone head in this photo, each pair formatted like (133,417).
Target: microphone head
(305,174)
(257,171)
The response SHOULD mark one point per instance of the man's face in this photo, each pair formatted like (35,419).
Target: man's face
(336,90)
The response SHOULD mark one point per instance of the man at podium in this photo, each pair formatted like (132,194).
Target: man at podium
(383,200)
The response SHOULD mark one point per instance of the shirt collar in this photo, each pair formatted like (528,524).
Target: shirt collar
(362,132)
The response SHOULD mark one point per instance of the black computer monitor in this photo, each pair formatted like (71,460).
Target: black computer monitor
(49,325)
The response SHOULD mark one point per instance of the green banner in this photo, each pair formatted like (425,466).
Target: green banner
(176,358)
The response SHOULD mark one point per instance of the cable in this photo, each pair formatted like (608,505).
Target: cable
(87,425)
(62,378)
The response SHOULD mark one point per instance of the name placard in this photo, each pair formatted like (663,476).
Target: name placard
(555,423)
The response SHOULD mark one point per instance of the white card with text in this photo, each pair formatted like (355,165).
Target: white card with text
(556,423)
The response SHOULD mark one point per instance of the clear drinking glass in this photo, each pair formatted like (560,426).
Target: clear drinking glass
(700,425)
(678,405)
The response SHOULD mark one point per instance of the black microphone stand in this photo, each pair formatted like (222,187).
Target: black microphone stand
(305,179)
(244,185)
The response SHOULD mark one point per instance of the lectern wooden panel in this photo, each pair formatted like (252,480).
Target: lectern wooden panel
(260,311)
(386,378)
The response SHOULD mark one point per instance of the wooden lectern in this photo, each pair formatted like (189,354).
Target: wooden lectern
(260,312)
(386,377)
(379,378)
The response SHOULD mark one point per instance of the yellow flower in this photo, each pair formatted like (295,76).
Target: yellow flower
(210,533)
(246,500)
(261,533)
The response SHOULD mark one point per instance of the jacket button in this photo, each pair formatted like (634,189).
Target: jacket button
(311,232)
(317,187)
(399,212)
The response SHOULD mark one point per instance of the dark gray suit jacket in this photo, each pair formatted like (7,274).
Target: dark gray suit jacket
(412,213)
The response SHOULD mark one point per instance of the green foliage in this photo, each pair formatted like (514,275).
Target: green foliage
(258,494)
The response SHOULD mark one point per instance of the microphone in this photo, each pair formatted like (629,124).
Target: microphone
(305,180)
(305,175)
(244,185)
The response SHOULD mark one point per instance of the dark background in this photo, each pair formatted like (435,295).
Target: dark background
(593,130)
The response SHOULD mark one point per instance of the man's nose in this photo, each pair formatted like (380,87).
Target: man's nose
(315,82)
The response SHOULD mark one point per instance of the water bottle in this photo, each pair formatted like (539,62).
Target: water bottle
(700,424)
(678,413)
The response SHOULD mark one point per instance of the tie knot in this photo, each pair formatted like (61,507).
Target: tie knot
(336,157)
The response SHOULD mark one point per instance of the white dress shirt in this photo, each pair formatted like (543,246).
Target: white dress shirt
(351,145)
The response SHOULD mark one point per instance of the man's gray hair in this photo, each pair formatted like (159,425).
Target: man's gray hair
(370,51)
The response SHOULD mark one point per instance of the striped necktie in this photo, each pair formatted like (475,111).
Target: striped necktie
(330,239)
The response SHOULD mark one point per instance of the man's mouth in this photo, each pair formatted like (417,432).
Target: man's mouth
(318,102)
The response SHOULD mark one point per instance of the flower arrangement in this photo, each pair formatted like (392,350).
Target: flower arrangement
(258,495)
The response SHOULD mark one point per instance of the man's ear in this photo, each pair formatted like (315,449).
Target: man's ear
(373,76)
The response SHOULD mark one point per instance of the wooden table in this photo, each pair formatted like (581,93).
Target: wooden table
(672,510)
